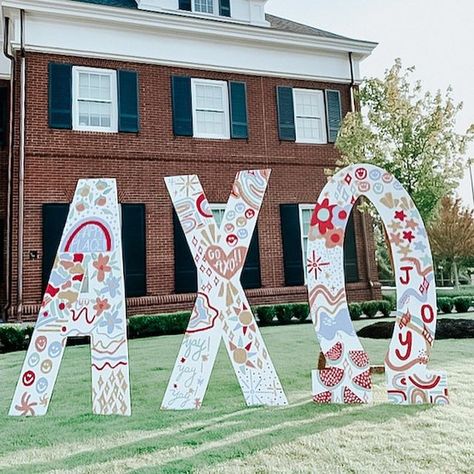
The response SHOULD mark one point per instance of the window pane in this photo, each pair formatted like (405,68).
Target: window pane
(209,97)
(203,6)
(95,114)
(209,122)
(94,86)
(309,128)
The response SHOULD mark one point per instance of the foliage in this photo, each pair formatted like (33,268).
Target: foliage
(165,324)
(445,305)
(300,311)
(452,234)
(408,132)
(392,300)
(370,308)
(284,313)
(462,304)
(385,307)
(265,314)
(355,311)
(13,338)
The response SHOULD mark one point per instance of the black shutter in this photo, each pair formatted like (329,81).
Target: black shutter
(185,5)
(182,106)
(54,220)
(286,114)
(351,268)
(134,249)
(128,114)
(185,273)
(224,8)
(291,237)
(238,110)
(3,115)
(60,95)
(251,277)
(334,114)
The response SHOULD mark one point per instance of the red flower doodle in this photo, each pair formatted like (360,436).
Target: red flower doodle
(101,306)
(323,215)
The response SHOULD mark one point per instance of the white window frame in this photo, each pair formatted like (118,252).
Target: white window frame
(323,118)
(76,70)
(225,95)
(301,208)
(215,8)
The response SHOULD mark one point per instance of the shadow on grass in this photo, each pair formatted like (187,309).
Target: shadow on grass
(238,434)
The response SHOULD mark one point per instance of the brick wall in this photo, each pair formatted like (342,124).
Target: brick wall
(56,159)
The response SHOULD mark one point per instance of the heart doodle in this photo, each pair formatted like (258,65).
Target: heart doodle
(226,265)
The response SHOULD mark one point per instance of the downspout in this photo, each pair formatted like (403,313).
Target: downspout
(364,217)
(9,216)
(21,168)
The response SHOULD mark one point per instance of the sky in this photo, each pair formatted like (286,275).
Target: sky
(435,36)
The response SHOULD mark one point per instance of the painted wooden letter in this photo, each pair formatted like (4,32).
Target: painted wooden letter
(347,378)
(84,297)
(221,309)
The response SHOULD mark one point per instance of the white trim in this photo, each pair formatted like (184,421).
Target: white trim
(301,208)
(74,28)
(323,118)
(76,70)
(225,101)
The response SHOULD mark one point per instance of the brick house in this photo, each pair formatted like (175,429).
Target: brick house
(140,90)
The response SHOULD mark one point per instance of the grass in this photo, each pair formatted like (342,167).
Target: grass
(225,436)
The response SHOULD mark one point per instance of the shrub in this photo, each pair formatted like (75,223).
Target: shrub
(462,304)
(392,300)
(265,315)
(284,313)
(14,338)
(385,307)
(148,326)
(300,311)
(370,308)
(355,311)
(445,305)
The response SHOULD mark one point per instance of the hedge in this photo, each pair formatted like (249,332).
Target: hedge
(462,304)
(17,337)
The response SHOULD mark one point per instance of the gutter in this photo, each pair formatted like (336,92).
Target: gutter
(364,216)
(9,216)
(21,169)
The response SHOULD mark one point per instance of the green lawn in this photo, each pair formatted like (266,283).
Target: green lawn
(225,436)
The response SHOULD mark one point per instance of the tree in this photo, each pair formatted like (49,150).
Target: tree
(408,132)
(452,234)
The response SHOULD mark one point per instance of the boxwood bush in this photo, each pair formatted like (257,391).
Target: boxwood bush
(445,305)
(300,311)
(462,304)
(370,308)
(264,314)
(284,313)
(385,307)
(355,311)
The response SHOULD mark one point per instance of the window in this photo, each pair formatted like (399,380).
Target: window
(309,116)
(218,211)
(350,250)
(306,211)
(210,103)
(94,99)
(204,6)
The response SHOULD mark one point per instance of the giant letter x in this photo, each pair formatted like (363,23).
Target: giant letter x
(221,309)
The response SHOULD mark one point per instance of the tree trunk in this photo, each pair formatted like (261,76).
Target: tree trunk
(456,275)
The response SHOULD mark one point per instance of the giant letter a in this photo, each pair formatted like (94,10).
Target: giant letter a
(84,297)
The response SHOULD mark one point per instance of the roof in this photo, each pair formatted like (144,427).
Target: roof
(276,23)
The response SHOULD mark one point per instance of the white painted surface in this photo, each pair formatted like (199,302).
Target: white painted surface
(78,29)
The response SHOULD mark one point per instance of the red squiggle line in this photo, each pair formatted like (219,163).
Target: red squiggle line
(108,364)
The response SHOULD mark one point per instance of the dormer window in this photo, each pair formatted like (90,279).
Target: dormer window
(207,7)
(204,6)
